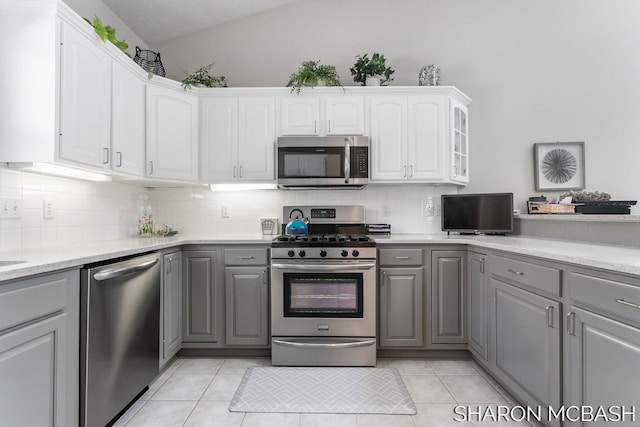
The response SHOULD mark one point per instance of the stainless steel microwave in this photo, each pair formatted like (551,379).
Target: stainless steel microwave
(323,161)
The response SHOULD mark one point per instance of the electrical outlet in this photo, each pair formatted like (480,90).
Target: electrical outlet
(386,210)
(428,209)
(225,211)
(10,207)
(48,209)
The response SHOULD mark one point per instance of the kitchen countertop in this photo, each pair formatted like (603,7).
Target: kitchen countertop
(42,260)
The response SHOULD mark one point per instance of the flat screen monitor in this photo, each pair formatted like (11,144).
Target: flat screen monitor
(489,213)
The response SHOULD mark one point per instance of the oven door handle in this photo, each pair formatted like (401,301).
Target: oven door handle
(353,344)
(323,267)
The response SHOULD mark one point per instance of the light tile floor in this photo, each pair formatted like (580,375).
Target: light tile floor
(197,392)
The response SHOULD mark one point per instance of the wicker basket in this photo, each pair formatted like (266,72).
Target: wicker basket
(149,61)
(549,208)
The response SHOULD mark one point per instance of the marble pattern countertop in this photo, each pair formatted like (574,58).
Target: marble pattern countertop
(613,258)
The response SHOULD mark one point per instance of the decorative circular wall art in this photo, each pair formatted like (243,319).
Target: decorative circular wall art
(559,166)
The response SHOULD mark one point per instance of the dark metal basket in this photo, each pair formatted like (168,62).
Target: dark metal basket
(149,61)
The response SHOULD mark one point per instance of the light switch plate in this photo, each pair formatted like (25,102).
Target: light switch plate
(10,207)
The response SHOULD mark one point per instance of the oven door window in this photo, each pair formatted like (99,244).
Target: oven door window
(307,162)
(323,295)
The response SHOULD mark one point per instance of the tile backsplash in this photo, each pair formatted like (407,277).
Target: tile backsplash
(89,211)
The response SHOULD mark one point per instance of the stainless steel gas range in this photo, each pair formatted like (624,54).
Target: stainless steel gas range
(323,291)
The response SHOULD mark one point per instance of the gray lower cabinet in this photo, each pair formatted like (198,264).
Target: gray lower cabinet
(448,298)
(526,350)
(171,327)
(477,304)
(199,296)
(602,345)
(39,351)
(247,306)
(401,316)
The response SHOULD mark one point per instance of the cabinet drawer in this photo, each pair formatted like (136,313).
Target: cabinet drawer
(400,257)
(253,256)
(606,295)
(33,298)
(526,273)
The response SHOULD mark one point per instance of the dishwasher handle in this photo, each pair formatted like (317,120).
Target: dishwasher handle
(117,272)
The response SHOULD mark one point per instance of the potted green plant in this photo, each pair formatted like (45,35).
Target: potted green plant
(312,74)
(202,78)
(375,68)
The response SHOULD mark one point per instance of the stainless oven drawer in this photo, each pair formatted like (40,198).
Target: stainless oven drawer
(306,351)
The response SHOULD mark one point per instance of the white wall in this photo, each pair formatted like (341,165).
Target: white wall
(538,71)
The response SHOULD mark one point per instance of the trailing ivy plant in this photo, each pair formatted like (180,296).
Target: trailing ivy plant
(202,76)
(311,73)
(371,67)
(108,33)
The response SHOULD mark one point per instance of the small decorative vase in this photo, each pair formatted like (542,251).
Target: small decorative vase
(372,81)
(429,76)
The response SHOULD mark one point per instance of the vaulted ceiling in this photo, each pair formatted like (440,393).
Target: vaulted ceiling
(156,21)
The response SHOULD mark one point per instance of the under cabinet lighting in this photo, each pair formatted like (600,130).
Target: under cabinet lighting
(242,187)
(60,170)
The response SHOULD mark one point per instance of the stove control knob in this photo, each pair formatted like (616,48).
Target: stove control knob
(291,253)
(355,252)
(302,253)
(344,253)
(323,253)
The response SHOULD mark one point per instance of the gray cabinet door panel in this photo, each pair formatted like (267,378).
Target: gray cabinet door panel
(33,375)
(527,342)
(604,361)
(401,302)
(476,304)
(199,296)
(247,306)
(171,305)
(448,311)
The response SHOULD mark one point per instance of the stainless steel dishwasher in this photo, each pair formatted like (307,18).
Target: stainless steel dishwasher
(119,335)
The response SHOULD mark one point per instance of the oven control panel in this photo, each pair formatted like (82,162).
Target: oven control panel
(319,253)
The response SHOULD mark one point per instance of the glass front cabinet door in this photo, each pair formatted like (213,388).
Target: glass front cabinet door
(459,143)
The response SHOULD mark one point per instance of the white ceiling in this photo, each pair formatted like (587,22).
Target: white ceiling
(156,21)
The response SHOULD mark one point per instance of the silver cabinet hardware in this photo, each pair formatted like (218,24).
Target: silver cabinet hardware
(627,303)
(119,154)
(482,265)
(240,171)
(151,167)
(404,173)
(234,171)
(402,257)
(105,156)
(410,171)
(516,272)
(571,323)
(549,312)
(246,257)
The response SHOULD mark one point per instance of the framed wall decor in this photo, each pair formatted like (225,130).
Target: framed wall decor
(559,166)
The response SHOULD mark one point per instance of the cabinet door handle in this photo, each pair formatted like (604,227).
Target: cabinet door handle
(549,311)
(571,324)
(105,156)
(404,171)
(234,171)
(455,170)
(169,265)
(329,126)
(264,277)
(410,171)
(315,126)
(627,303)
(151,167)
(240,171)
(402,257)
(516,272)
(119,153)
(245,257)
(482,265)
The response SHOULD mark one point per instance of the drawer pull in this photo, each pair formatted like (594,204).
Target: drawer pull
(630,304)
(402,257)
(516,272)
(246,257)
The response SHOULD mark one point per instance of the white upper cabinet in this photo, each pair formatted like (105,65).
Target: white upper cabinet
(238,139)
(172,133)
(412,138)
(127,121)
(315,115)
(85,96)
